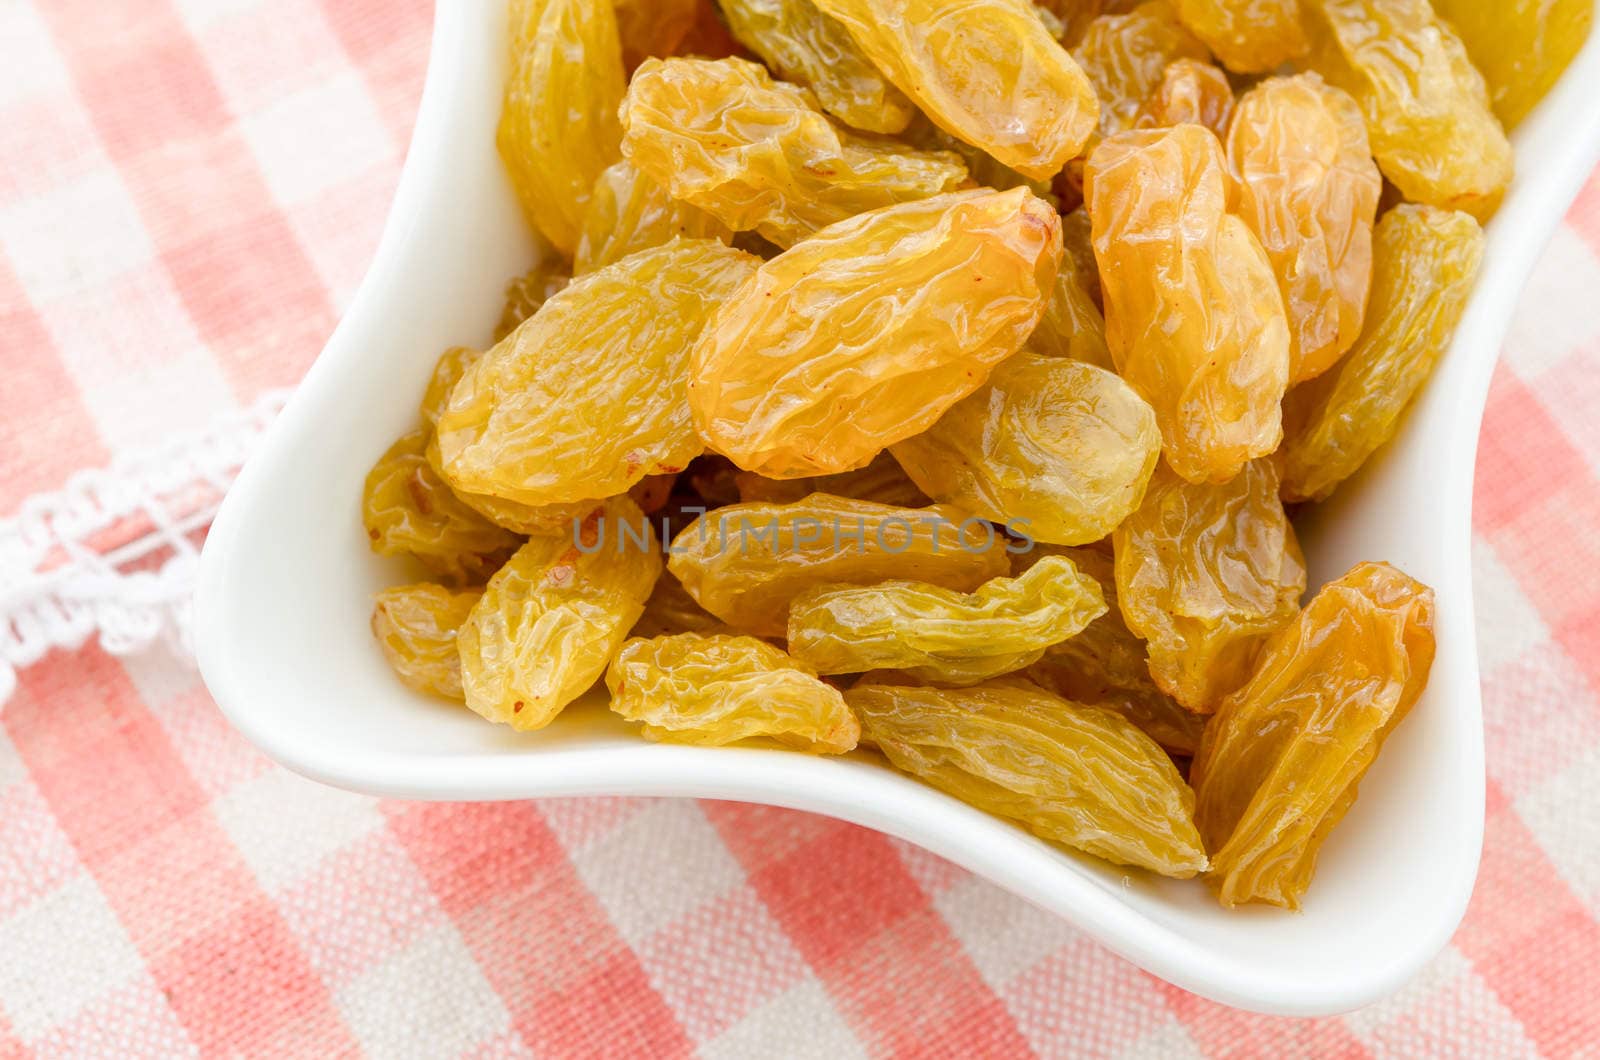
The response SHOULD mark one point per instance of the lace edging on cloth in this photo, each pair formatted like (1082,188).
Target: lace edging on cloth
(113,554)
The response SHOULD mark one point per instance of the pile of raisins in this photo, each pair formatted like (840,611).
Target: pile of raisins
(933,378)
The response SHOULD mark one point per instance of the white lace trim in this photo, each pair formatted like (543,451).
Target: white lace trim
(114,553)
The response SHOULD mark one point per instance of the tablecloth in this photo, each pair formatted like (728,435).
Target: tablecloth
(189,193)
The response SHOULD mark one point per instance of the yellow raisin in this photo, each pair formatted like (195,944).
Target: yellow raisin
(1279,764)
(1077,232)
(415,626)
(1427,106)
(408,510)
(526,294)
(1248,36)
(866,333)
(515,516)
(1073,326)
(1126,56)
(760,154)
(938,634)
(630,212)
(987,71)
(586,399)
(718,690)
(447,372)
(1425,262)
(1194,319)
(802,45)
(1305,182)
(1056,449)
(552,617)
(746,562)
(1204,573)
(1190,91)
(1521,46)
(1106,664)
(558,126)
(1081,776)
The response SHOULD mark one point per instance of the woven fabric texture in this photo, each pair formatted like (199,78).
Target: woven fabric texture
(189,193)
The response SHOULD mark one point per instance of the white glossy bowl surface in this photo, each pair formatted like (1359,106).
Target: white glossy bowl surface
(286,585)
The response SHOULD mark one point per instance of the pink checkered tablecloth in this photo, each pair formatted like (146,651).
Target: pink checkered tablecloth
(190,191)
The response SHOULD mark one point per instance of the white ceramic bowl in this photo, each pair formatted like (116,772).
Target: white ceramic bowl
(286,583)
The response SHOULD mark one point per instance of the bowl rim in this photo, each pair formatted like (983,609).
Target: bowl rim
(876,799)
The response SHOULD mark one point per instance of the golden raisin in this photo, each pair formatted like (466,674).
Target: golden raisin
(718,690)
(526,294)
(586,399)
(746,562)
(1521,46)
(558,126)
(1304,180)
(1279,764)
(630,212)
(1248,36)
(883,481)
(760,154)
(653,28)
(552,617)
(1204,573)
(1081,776)
(1056,449)
(1190,91)
(1426,105)
(1194,319)
(415,626)
(986,71)
(803,46)
(1126,56)
(1425,262)
(866,333)
(409,510)
(938,634)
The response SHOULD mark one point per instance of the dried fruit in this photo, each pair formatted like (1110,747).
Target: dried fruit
(554,615)
(1427,106)
(1194,319)
(1056,449)
(1521,46)
(759,154)
(515,516)
(938,634)
(1425,261)
(883,481)
(866,333)
(653,27)
(719,690)
(1077,232)
(408,510)
(530,291)
(558,127)
(983,168)
(1081,776)
(1126,56)
(671,610)
(746,562)
(806,47)
(987,71)
(447,372)
(1248,36)
(1190,91)
(709,38)
(1106,665)
(586,399)
(1073,326)
(1279,764)
(1204,573)
(630,212)
(415,626)
(1304,180)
